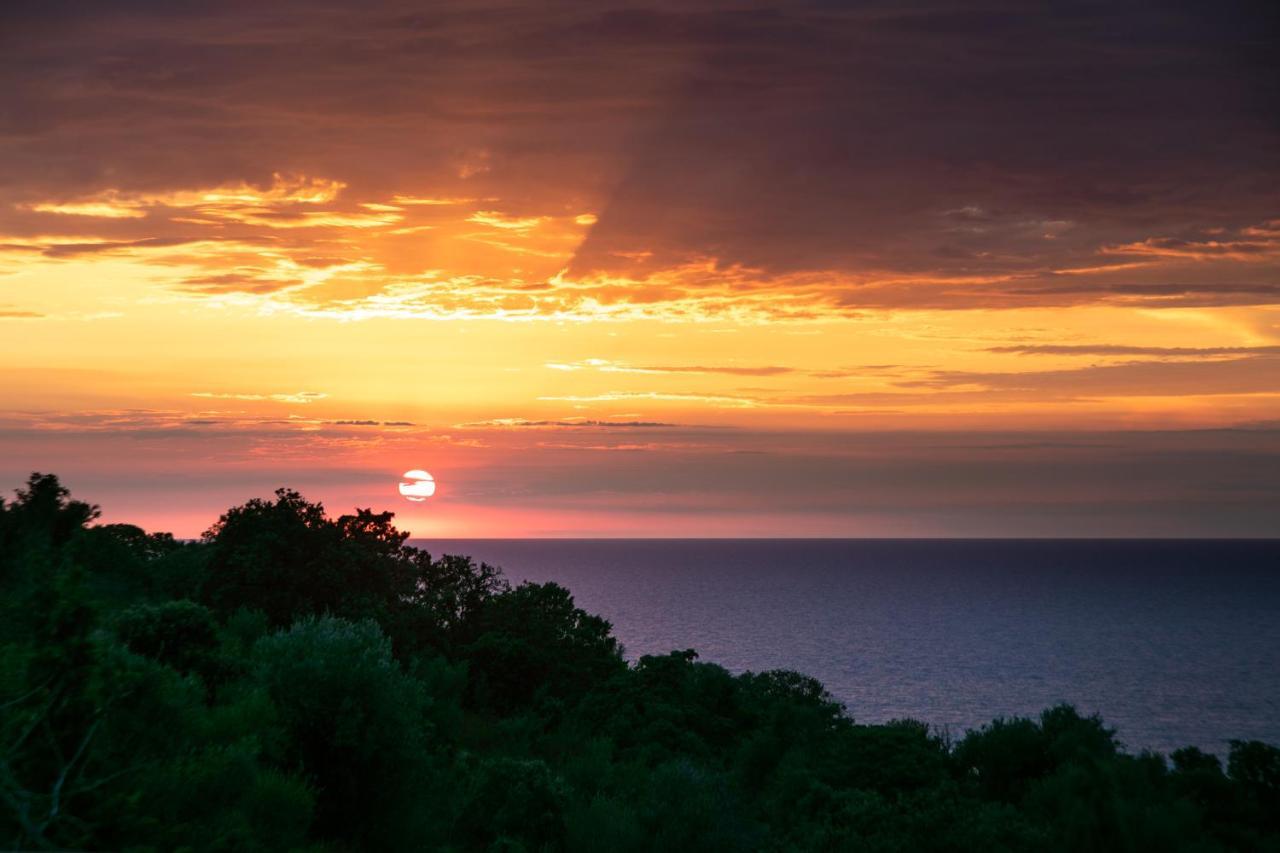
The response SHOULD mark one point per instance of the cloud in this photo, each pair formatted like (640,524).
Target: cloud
(691,480)
(717,400)
(238,282)
(1246,374)
(577,423)
(1154,294)
(90,208)
(226,200)
(302,397)
(927,154)
(105,247)
(370,423)
(864,370)
(806,162)
(495,219)
(726,370)
(159,421)
(913,483)
(433,202)
(280,204)
(1123,350)
(1204,249)
(605,366)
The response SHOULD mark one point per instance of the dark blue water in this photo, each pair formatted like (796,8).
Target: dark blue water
(1174,642)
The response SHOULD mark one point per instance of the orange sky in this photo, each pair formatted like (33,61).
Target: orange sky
(683,271)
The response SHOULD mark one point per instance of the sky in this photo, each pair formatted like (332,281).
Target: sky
(660,269)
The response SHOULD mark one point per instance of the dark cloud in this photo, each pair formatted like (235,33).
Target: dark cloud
(939,138)
(1005,136)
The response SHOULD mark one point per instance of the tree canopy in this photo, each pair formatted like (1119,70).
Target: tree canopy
(294,681)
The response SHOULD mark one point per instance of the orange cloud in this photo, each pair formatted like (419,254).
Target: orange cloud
(302,397)
(216,201)
(496,219)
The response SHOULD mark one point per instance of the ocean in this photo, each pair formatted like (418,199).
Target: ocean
(1173,642)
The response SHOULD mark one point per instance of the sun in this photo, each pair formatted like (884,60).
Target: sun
(417,485)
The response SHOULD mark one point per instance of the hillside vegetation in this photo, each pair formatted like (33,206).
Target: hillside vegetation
(295,681)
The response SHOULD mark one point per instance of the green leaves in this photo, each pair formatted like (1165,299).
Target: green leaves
(294,681)
(358,727)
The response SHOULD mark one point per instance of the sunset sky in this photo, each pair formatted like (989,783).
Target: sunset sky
(671,269)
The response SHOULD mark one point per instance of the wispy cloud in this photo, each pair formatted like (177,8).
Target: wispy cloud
(721,400)
(567,423)
(606,366)
(1244,374)
(496,219)
(302,397)
(1127,350)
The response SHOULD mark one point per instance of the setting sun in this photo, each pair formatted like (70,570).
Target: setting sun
(417,485)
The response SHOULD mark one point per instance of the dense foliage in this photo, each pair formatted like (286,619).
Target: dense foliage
(293,681)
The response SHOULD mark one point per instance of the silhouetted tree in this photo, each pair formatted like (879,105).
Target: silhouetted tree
(179,634)
(300,682)
(534,643)
(358,728)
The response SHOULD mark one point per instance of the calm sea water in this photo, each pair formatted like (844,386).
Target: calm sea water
(1173,642)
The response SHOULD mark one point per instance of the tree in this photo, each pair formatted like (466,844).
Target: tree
(358,727)
(287,559)
(42,517)
(334,687)
(179,634)
(534,643)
